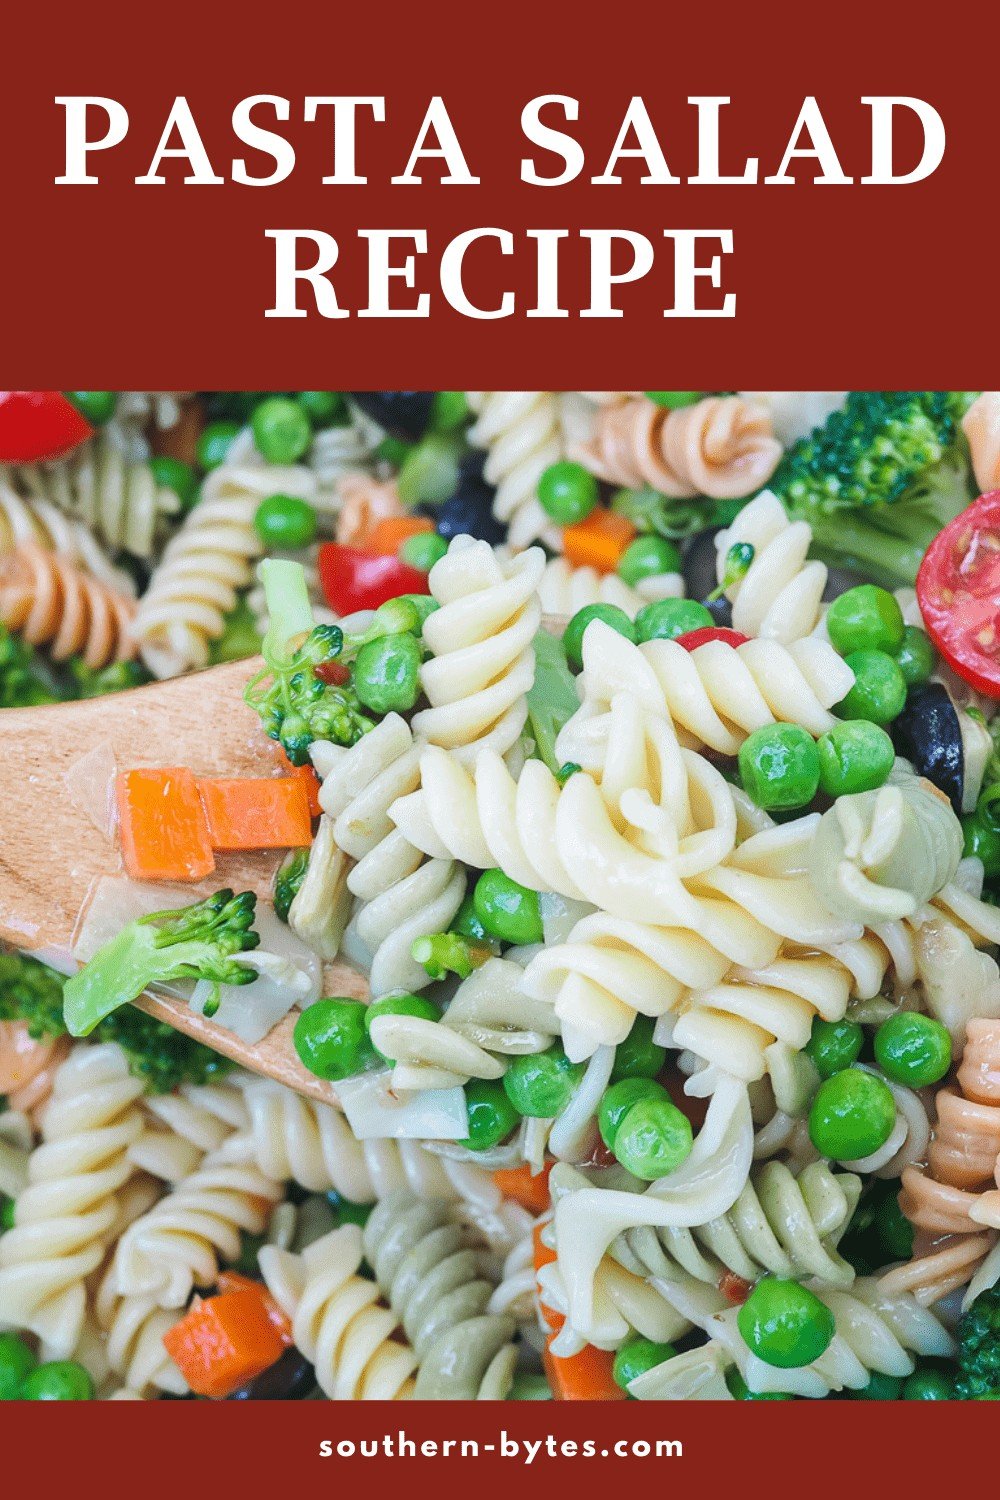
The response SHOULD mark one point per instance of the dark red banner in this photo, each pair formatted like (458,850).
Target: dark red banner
(835,284)
(175,1449)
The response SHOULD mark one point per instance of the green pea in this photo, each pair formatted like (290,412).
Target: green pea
(467,924)
(285,521)
(323,408)
(865,619)
(880,1388)
(834,1045)
(618,1099)
(423,549)
(214,443)
(348,1212)
(653,1139)
(332,1040)
(638,1056)
(740,1391)
(668,618)
(62,1380)
(982,839)
(492,1117)
(387,673)
(393,451)
(854,756)
(648,557)
(449,411)
(429,473)
(567,492)
(542,1084)
(173,474)
(424,604)
(879,690)
(852,1115)
(893,1228)
(636,1356)
(400,1005)
(779,766)
(281,430)
(929,1385)
(97,406)
(610,614)
(16,1362)
(916,657)
(675,399)
(785,1324)
(508,911)
(913,1049)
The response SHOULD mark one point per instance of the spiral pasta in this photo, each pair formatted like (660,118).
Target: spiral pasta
(483,660)
(342,450)
(178,1244)
(716,695)
(53,603)
(66,1216)
(133,1330)
(118,500)
(489,1019)
(780,594)
(25,521)
(400,897)
(339,1319)
(981,425)
(195,1121)
(522,435)
(783,1223)
(948,1197)
(207,561)
(723,447)
(430,1276)
(364,501)
(28,1065)
(874,1333)
(564,589)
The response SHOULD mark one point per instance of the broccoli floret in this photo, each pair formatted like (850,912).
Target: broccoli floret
(22,684)
(979,1349)
(162,1057)
(879,480)
(114,678)
(240,637)
(202,941)
(306,691)
(288,881)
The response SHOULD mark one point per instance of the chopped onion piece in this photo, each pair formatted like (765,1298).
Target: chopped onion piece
(374,1112)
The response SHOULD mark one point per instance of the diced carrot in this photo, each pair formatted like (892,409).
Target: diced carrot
(164,830)
(599,540)
(586,1376)
(257,813)
(543,1256)
(308,776)
(389,534)
(222,1342)
(235,1281)
(530,1190)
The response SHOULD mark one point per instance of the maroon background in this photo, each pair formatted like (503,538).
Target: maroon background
(165,287)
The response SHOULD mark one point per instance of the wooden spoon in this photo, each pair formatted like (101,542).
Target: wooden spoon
(53,852)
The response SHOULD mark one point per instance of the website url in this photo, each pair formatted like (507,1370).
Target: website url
(526,1450)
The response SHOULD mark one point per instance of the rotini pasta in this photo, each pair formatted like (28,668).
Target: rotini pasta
(28,1065)
(207,561)
(66,1216)
(778,598)
(195,1121)
(53,603)
(118,500)
(483,660)
(431,1280)
(722,447)
(564,589)
(26,521)
(522,434)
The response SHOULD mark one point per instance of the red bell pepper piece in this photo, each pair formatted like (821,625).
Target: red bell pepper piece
(38,424)
(692,639)
(354,580)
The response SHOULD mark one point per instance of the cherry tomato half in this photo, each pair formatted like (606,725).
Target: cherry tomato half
(958,588)
(692,639)
(353,580)
(38,424)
